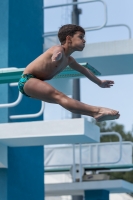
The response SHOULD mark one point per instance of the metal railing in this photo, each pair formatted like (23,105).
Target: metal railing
(83,165)
(92,163)
(54,33)
(9,105)
(34,115)
(48,34)
(119,170)
(97,163)
(76,3)
(120,25)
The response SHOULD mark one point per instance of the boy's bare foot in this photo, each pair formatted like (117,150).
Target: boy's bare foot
(106,114)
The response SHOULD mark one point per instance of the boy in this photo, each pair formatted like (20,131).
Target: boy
(53,61)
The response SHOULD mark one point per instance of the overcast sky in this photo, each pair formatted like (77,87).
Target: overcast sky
(118,97)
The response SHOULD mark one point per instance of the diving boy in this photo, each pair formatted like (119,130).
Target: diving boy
(53,61)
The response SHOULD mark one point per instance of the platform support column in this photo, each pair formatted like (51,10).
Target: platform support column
(21,30)
(3,184)
(96,195)
(25,173)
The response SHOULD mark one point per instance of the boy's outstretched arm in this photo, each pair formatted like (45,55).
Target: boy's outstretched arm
(102,83)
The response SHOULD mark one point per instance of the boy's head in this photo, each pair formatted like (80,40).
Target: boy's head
(69,30)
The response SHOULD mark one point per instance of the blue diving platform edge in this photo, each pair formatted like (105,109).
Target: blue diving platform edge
(13,75)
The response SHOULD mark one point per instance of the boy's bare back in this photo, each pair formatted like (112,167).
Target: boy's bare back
(45,67)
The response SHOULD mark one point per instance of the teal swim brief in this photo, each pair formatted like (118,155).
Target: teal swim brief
(24,78)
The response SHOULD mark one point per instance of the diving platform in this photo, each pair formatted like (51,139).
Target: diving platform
(37,133)
(78,188)
(10,75)
(110,58)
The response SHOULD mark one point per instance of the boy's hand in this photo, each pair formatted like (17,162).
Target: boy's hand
(106,84)
(56,56)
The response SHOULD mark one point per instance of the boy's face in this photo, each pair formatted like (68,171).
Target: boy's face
(78,41)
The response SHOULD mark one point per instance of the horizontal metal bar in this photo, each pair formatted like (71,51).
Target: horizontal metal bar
(98,163)
(15,103)
(120,25)
(66,168)
(54,33)
(34,115)
(86,29)
(120,144)
(7,69)
(70,4)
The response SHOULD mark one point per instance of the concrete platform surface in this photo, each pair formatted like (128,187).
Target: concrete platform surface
(78,188)
(68,131)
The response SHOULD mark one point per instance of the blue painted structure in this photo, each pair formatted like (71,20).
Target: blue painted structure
(3,184)
(25,173)
(21,25)
(96,195)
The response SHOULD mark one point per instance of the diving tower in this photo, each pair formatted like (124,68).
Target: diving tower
(110,58)
(21,143)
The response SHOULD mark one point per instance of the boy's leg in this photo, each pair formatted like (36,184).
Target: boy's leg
(41,90)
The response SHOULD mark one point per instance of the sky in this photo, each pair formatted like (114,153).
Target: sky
(120,96)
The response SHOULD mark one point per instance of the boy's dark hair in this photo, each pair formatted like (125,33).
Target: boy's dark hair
(68,29)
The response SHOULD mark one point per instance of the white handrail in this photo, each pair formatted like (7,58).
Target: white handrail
(76,3)
(97,163)
(80,163)
(120,25)
(99,144)
(7,69)
(70,4)
(97,171)
(118,170)
(9,105)
(29,115)
(54,33)
(74,171)
(120,139)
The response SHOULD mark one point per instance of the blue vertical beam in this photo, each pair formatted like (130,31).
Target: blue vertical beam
(25,173)
(3,184)
(96,195)
(3,56)
(25,44)
(21,25)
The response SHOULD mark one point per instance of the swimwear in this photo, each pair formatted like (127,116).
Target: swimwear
(24,78)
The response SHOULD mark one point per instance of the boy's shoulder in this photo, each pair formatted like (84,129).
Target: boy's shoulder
(54,49)
(58,47)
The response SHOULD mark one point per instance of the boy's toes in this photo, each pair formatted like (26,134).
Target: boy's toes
(115,112)
(107,117)
(118,115)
